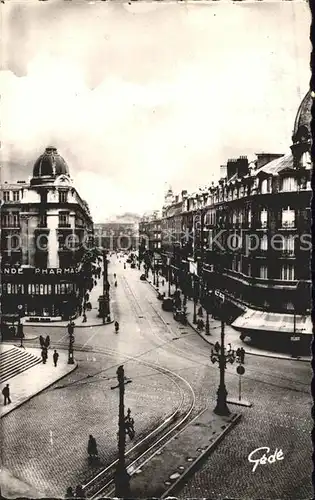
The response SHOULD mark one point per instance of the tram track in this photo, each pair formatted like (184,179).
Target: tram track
(147,446)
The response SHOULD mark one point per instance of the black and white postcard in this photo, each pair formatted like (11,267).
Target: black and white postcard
(155,197)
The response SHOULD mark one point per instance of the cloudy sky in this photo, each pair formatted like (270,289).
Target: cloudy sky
(138,97)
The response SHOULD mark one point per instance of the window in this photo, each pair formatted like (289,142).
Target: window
(15,219)
(63,219)
(5,220)
(249,218)
(287,272)
(264,218)
(288,217)
(16,195)
(249,270)
(6,195)
(264,243)
(265,186)
(63,196)
(263,272)
(288,244)
(289,184)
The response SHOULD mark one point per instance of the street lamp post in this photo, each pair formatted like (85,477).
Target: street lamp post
(70,349)
(105,286)
(207,312)
(169,279)
(195,303)
(157,276)
(220,355)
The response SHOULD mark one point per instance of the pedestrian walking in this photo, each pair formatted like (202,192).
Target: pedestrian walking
(229,347)
(79,493)
(242,355)
(200,312)
(70,328)
(41,341)
(44,355)
(69,493)
(6,394)
(92,447)
(47,341)
(55,357)
(238,353)
(84,318)
(114,275)
(124,265)
(217,346)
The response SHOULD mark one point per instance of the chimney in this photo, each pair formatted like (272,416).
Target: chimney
(184,194)
(231,168)
(242,166)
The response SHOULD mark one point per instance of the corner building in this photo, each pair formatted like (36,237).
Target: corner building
(249,237)
(45,226)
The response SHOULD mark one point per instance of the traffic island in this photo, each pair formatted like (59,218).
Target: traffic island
(163,474)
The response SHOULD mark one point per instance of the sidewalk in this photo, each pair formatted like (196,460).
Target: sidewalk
(231,335)
(163,474)
(34,380)
(92,316)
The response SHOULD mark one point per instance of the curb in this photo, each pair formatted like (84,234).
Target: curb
(51,325)
(191,469)
(249,353)
(41,390)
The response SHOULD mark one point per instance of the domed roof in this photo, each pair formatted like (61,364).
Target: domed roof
(303,117)
(50,164)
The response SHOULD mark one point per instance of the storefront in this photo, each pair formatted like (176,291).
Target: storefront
(38,292)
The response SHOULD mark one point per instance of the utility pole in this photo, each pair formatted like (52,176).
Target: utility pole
(106,310)
(125,424)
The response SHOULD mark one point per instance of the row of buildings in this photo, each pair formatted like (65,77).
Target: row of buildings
(247,237)
(46,229)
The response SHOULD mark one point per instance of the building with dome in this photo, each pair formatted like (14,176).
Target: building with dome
(248,238)
(45,225)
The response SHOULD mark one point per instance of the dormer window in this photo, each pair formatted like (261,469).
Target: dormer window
(266,186)
(289,184)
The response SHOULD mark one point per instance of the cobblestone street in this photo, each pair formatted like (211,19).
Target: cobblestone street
(58,421)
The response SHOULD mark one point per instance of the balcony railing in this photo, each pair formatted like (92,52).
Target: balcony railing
(64,225)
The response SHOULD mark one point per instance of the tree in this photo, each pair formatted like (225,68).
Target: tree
(89,268)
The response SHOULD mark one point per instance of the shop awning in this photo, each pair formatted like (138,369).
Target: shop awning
(273,322)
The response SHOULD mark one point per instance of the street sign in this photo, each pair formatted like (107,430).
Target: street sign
(295,338)
(240,370)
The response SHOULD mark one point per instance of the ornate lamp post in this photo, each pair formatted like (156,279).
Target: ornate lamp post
(195,303)
(207,312)
(222,356)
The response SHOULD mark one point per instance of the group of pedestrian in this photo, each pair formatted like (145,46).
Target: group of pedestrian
(78,493)
(45,344)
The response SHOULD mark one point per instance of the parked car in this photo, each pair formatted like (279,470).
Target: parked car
(133,265)
(142,277)
(167,305)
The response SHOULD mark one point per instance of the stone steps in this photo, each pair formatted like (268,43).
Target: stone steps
(15,361)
